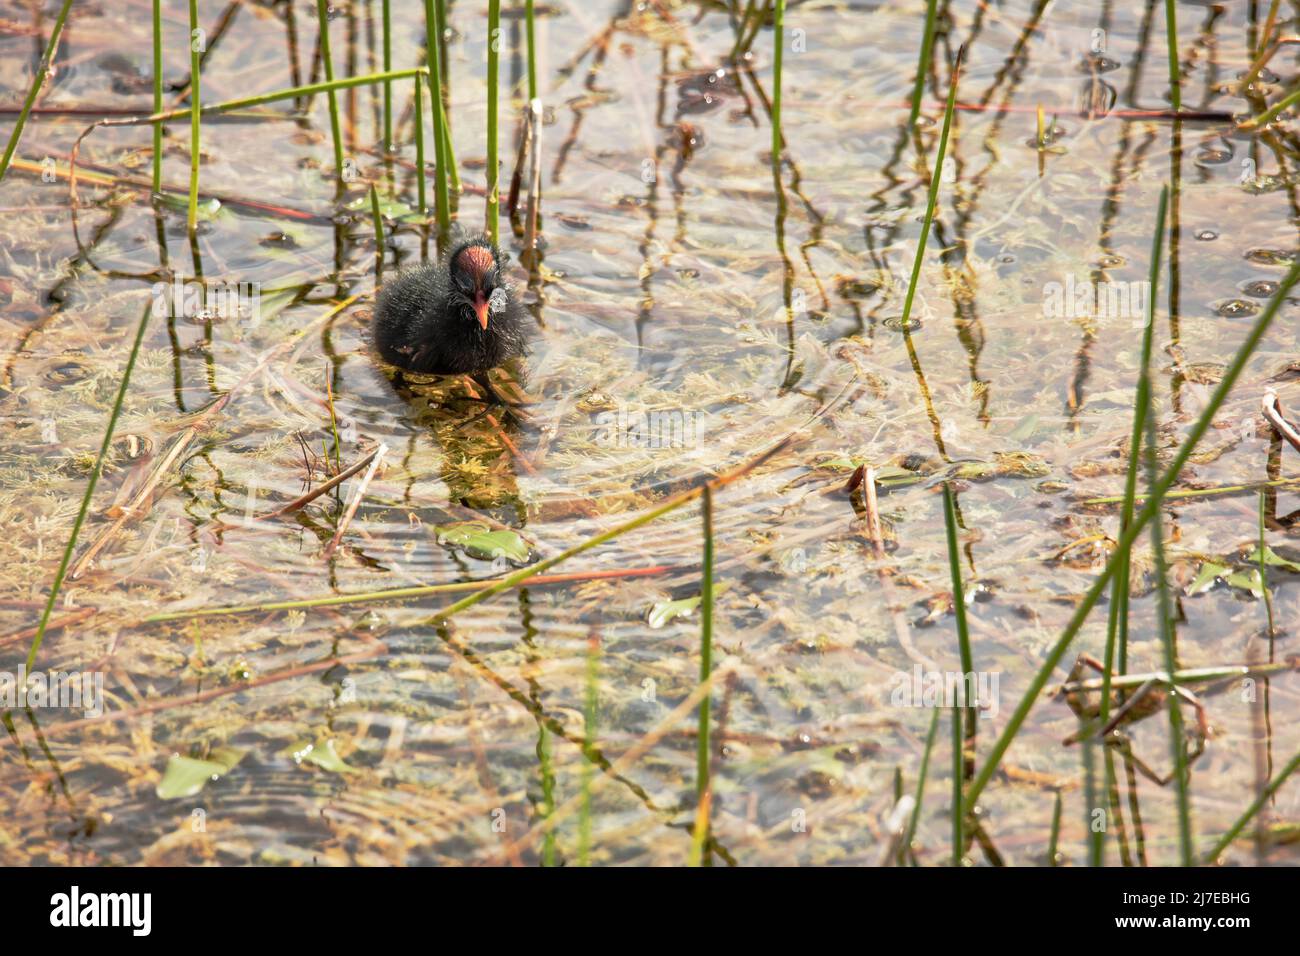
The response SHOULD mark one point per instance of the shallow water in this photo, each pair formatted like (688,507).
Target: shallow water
(680,276)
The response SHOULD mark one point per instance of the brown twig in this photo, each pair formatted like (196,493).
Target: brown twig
(516,178)
(1272,409)
(1262,59)
(895,827)
(901,630)
(27,633)
(376,457)
(534,185)
(144,185)
(139,505)
(316,492)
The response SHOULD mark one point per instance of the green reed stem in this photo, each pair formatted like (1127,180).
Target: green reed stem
(95,472)
(923,61)
(378,219)
(671,504)
(196,61)
(453,177)
(1189,677)
(334,422)
(756,24)
(1263,566)
(1053,841)
(379,222)
(958,589)
(696,855)
(422,200)
(1169,640)
(967,665)
(261,99)
(933,197)
(548,792)
(42,70)
(958,771)
(1111,803)
(778,55)
(1171,43)
(1116,656)
(523,574)
(441,200)
(493,167)
(1270,114)
(1096,837)
(589,739)
(332,600)
(1261,47)
(157,95)
(1185,493)
(388,84)
(1269,22)
(1116,628)
(915,819)
(742,28)
(1264,797)
(532,49)
(706,658)
(518,577)
(1127,538)
(327,64)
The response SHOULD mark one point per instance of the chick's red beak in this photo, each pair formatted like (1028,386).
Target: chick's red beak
(481,308)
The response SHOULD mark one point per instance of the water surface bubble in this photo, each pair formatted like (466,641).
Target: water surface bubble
(895,322)
(1260,289)
(1271,257)
(1231,308)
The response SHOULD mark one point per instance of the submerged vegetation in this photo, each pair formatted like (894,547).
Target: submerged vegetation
(848,409)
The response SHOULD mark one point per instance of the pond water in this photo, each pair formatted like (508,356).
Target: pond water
(695,306)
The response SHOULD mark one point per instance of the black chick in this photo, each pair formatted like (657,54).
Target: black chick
(459,316)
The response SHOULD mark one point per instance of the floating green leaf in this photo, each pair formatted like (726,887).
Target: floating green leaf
(1212,572)
(1207,577)
(208,209)
(1274,559)
(186,776)
(322,755)
(480,541)
(892,475)
(1248,579)
(665,611)
(886,475)
(841,464)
